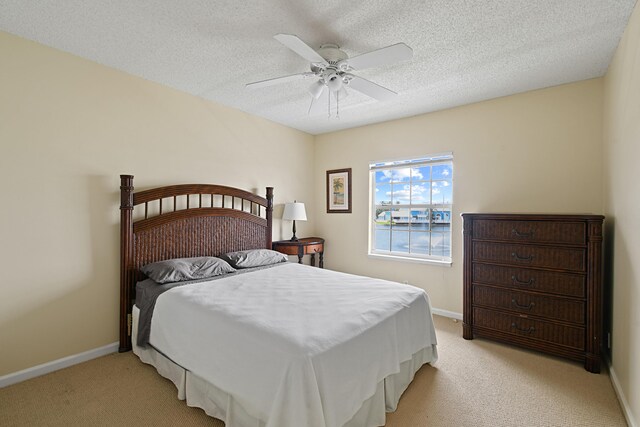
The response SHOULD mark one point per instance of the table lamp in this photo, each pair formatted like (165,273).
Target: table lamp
(294,212)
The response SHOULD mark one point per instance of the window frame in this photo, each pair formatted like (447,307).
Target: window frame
(410,163)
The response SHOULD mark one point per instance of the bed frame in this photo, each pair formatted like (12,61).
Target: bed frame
(181,221)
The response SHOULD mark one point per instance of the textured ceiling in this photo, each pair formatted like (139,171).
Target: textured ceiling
(463,51)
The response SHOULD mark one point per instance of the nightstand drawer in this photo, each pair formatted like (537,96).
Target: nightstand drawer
(564,309)
(530,256)
(313,249)
(569,284)
(531,329)
(531,231)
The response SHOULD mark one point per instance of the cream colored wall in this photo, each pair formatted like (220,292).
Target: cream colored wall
(68,128)
(622,207)
(534,152)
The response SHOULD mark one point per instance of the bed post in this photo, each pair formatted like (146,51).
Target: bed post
(269,216)
(126,247)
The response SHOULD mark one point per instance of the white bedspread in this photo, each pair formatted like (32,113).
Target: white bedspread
(294,345)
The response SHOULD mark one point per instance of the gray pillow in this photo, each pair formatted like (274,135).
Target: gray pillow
(254,258)
(180,269)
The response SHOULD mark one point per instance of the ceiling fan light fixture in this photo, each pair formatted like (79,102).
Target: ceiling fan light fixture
(334,82)
(316,89)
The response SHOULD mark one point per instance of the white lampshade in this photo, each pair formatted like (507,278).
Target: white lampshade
(334,82)
(294,211)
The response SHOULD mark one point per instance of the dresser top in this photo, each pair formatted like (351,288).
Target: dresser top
(534,216)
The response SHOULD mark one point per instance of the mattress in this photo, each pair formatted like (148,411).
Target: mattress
(292,346)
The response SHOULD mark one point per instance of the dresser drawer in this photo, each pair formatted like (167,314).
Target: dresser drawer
(573,233)
(530,256)
(530,304)
(570,336)
(569,284)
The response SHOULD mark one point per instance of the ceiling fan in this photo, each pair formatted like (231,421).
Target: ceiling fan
(332,68)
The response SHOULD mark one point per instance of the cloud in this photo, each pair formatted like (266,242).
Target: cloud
(416,191)
(401,174)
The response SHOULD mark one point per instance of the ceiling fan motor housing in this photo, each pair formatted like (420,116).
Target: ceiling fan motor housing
(332,53)
(332,76)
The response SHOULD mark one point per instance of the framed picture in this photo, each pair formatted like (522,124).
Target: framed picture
(339,191)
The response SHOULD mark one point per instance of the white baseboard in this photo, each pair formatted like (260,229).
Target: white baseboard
(447,313)
(626,409)
(65,362)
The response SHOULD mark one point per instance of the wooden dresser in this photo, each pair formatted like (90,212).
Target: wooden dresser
(535,281)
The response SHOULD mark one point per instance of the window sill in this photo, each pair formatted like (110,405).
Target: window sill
(413,260)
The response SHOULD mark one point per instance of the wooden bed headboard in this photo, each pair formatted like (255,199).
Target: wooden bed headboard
(180,221)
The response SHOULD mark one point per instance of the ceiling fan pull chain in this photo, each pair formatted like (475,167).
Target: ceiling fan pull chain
(337,105)
(329,105)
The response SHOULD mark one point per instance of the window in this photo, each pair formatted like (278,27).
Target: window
(411,203)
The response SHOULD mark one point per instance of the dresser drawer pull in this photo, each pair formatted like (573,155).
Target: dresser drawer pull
(524,235)
(517,281)
(529,330)
(521,258)
(524,307)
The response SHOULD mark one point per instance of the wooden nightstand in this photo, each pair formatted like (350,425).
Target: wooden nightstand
(301,247)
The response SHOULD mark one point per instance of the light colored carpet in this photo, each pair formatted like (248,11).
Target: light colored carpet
(474,383)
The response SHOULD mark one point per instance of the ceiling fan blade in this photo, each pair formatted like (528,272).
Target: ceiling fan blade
(278,80)
(371,89)
(385,56)
(319,104)
(300,47)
